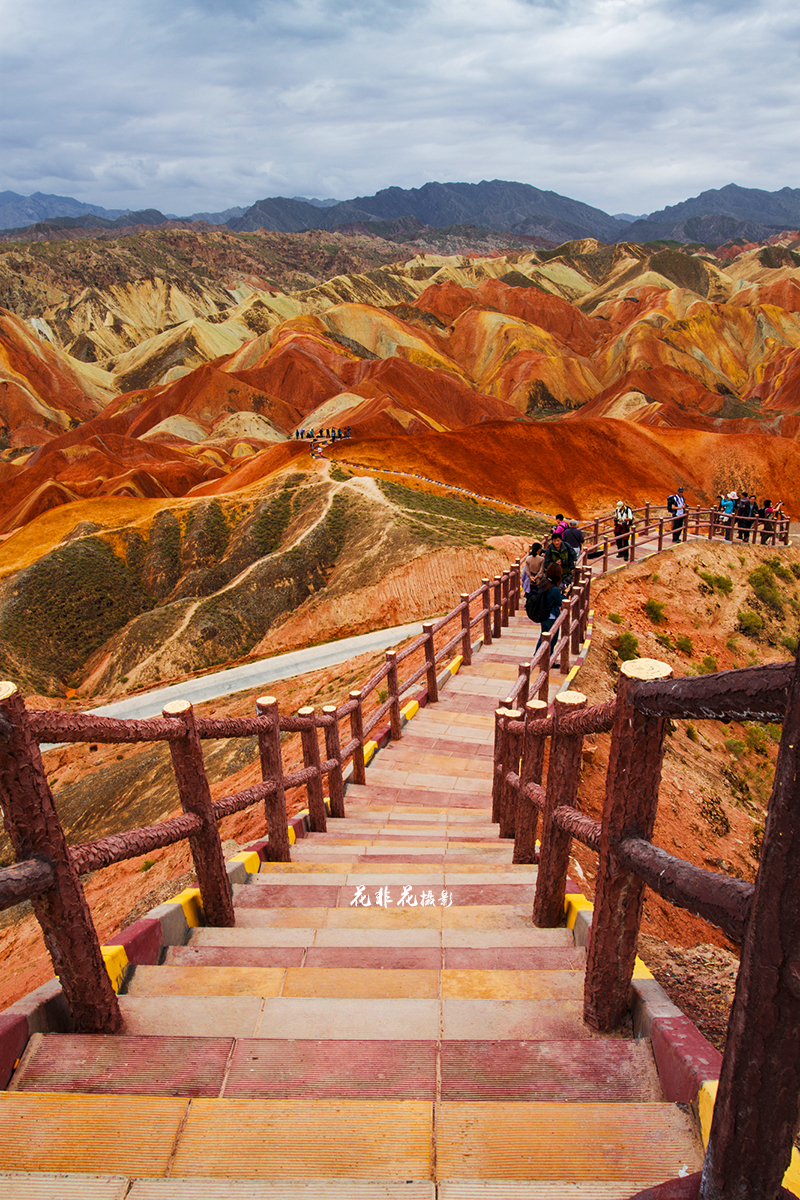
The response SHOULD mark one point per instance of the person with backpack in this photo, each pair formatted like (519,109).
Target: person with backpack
(623,519)
(547,600)
(676,505)
(574,539)
(532,567)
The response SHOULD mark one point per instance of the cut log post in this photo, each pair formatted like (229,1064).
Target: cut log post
(357,735)
(466,632)
(632,545)
(430,659)
(504,591)
(646,529)
(527,821)
(697,521)
(575,624)
(195,794)
(545,663)
(512,753)
(756,1111)
(632,782)
(269,750)
(333,752)
(525,675)
(486,605)
(513,594)
(311,758)
(498,763)
(563,776)
(35,833)
(395,724)
(497,605)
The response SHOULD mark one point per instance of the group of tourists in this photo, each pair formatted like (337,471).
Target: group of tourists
(743,511)
(547,574)
(326,435)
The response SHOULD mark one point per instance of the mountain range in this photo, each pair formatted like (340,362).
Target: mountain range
(714,217)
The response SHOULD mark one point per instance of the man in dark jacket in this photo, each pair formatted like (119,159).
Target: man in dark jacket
(557,552)
(574,539)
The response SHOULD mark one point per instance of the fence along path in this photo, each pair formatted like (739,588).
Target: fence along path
(383,1020)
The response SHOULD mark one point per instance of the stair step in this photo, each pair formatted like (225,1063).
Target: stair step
(421,893)
(369,1140)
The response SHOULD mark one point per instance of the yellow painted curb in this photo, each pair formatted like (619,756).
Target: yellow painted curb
(192,905)
(640,971)
(574,903)
(705,1110)
(370,749)
(410,710)
(292,836)
(455,666)
(252,863)
(117,964)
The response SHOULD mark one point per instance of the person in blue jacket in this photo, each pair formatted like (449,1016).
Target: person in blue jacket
(553,598)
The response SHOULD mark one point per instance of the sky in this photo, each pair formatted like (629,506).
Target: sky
(200,105)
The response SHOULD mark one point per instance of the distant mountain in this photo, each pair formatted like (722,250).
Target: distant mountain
(741,213)
(17,210)
(499,204)
(217,218)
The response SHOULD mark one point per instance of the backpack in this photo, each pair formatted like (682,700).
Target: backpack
(536,603)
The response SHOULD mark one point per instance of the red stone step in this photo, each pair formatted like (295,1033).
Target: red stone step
(235,956)
(599,1070)
(275,1069)
(123,1065)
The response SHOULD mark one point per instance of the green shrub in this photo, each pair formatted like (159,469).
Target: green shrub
(775,564)
(684,644)
(337,475)
(795,569)
(756,737)
(750,623)
(720,583)
(615,617)
(691,733)
(708,666)
(762,582)
(663,639)
(655,611)
(774,732)
(628,646)
(735,746)
(790,643)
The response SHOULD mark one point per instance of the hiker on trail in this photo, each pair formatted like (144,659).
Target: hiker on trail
(574,539)
(532,567)
(551,599)
(765,517)
(623,519)
(676,505)
(728,505)
(560,525)
(557,552)
(745,511)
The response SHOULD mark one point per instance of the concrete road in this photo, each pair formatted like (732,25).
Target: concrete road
(257,675)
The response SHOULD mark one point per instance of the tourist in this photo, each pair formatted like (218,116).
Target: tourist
(728,505)
(574,539)
(745,511)
(623,520)
(557,552)
(532,567)
(676,505)
(551,588)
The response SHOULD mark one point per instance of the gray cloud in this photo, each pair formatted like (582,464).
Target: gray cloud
(626,104)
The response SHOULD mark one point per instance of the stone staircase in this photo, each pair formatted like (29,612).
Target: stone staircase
(383,1021)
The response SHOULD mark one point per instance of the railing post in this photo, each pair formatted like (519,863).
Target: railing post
(512,754)
(563,664)
(269,750)
(712,516)
(499,763)
(357,732)
(646,518)
(506,587)
(547,654)
(632,545)
(430,659)
(605,557)
(575,624)
(525,673)
(195,794)
(393,686)
(311,758)
(697,521)
(661,533)
(532,763)
(755,1114)
(333,750)
(596,530)
(466,633)
(632,782)
(486,605)
(497,605)
(513,591)
(35,832)
(563,776)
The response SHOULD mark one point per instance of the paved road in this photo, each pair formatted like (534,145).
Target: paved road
(257,675)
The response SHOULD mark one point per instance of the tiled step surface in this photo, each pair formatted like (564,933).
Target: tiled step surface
(339,1043)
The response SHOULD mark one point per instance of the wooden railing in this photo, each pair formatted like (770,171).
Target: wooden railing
(653,528)
(48,870)
(757,1107)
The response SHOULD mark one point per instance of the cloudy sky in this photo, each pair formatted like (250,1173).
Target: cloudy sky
(198,105)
